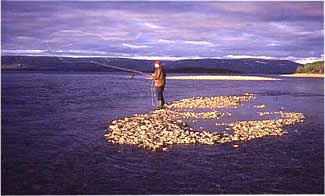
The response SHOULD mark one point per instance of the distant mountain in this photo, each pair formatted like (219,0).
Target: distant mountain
(247,66)
(315,67)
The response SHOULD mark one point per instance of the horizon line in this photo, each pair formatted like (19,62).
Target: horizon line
(300,60)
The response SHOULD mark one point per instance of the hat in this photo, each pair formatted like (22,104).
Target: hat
(157,62)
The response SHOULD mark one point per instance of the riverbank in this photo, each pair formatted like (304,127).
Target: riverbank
(304,75)
(221,77)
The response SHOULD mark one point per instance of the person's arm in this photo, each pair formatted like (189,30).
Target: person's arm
(155,75)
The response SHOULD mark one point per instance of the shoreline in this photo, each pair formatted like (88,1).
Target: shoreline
(221,77)
(185,77)
(304,75)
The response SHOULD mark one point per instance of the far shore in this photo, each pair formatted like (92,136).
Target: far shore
(242,77)
(304,75)
(221,77)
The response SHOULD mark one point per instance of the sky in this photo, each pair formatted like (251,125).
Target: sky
(164,30)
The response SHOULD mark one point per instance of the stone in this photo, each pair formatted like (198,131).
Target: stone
(159,128)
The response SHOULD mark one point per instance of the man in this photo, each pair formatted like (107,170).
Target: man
(159,78)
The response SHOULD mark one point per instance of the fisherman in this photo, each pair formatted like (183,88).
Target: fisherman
(159,78)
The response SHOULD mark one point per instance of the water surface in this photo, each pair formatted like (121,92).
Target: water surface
(53,126)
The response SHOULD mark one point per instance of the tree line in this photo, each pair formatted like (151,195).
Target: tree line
(315,67)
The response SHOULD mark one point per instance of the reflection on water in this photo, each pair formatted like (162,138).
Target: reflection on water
(53,127)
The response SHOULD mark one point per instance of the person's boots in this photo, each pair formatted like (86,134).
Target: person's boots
(160,104)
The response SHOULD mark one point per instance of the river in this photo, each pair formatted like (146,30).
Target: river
(53,127)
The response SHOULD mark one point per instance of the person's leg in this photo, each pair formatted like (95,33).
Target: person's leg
(160,97)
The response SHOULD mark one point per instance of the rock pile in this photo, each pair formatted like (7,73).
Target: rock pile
(248,130)
(211,102)
(160,128)
(193,115)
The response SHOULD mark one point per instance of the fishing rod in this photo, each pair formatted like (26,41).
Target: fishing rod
(120,68)
(94,62)
(107,65)
(153,95)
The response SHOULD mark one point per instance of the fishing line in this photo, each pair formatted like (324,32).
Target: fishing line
(119,68)
(98,63)
(94,62)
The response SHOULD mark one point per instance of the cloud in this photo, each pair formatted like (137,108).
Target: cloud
(170,58)
(273,44)
(248,56)
(25,38)
(166,41)
(134,46)
(200,43)
(305,60)
(23,51)
(152,26)
(87,52)
(301,60)
(181,29)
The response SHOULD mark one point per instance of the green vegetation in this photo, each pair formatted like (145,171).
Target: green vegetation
(315,67)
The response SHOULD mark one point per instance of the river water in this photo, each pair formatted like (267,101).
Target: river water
(53,126)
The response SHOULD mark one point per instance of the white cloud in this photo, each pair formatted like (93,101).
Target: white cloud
(304,60)
(152,26)
(202,43)
(301,60)
(170,58)
(134,46)
(62,53)
(70,31)
(248,56)
(25,38)
(272,44)
(166,41)
(75,33)
(23,51)
(81,52)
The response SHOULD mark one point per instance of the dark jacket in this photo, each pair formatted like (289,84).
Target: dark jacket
(159,77)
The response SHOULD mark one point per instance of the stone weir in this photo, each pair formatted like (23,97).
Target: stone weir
(160,128)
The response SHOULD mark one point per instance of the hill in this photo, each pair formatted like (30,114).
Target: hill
(246,66)
(315,67)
